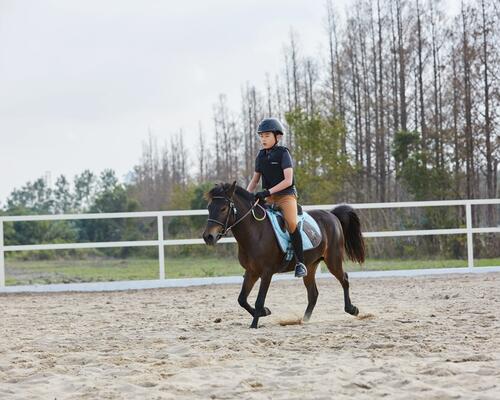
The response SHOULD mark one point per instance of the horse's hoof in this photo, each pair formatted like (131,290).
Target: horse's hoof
(262,312)
(353,310)
(253,326)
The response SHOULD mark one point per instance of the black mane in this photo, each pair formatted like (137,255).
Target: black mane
(244,193)
(222,188)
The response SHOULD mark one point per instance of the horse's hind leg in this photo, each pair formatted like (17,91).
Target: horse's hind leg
(334,265)
(348,306)
(312,290)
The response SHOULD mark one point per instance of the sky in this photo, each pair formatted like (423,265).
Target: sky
(84,82)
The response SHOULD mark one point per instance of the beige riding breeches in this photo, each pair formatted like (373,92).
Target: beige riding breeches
(288,205)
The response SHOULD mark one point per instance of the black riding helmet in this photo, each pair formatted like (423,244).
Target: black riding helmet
(271,125)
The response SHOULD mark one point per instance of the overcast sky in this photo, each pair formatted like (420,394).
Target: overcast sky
(82,82)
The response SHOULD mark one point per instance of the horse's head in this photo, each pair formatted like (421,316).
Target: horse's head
(221,212)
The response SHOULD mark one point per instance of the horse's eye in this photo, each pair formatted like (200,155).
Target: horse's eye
(223,209)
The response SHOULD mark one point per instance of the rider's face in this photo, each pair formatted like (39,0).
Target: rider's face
(267,139)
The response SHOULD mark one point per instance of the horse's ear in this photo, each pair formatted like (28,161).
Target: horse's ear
(230,191)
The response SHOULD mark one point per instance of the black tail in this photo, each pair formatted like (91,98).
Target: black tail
(354,242)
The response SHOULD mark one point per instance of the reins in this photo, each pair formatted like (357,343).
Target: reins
(232,209)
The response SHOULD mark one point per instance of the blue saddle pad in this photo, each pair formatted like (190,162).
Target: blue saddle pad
(309,230)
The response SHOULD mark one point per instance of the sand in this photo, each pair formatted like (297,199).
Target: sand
(419,338)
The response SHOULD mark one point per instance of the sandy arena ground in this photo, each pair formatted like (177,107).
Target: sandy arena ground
(420,338)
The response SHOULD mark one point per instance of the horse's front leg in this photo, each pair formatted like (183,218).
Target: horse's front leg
(248,283)
(260,310)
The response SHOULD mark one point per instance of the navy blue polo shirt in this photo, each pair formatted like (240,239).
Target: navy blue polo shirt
(271,163)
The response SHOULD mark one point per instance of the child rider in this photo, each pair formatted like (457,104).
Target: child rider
(274,164)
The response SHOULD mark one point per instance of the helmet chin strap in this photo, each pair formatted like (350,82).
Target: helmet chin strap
(275,139)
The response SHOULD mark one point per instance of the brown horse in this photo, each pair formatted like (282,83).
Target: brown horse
(231,207)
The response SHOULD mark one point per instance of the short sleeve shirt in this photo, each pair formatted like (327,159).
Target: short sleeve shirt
(271,164)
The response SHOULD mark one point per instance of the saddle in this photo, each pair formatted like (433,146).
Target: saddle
(308,227)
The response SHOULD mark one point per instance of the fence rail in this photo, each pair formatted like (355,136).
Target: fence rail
(469,230)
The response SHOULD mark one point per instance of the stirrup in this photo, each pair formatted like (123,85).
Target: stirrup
(300,270)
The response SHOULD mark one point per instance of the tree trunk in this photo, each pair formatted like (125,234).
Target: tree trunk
(487,116)
(402,69)
(469,145)
(423,127)
(381,150)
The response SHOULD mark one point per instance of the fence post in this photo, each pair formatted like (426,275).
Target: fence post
(2,257)
(470,243)
(161,252)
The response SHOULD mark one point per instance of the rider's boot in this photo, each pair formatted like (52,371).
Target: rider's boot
(300,268)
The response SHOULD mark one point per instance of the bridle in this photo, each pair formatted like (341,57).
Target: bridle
(233,210)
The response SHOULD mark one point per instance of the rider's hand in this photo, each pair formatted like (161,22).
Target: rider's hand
(262,194)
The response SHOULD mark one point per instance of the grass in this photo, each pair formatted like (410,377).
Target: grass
(19,272)
(383,265)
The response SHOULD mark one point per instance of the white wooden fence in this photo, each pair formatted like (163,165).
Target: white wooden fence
(469,230)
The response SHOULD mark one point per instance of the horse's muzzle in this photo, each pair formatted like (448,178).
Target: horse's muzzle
(210,239)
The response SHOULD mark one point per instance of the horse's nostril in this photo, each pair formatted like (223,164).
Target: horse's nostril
(209,238)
